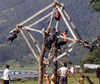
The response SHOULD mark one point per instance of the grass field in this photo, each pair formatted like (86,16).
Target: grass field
(70,80)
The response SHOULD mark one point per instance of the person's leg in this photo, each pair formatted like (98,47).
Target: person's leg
(47,79)
(58,81)
(62,80)
(6,81)
(14,36)
(56,18)
(89,48)
(48,44)
(65,80)
(60,44)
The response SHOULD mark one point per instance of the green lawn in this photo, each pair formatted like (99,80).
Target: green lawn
(70,80)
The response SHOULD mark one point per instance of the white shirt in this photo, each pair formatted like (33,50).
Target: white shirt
(5,74)
(63,71)
(72,69)
(12,31)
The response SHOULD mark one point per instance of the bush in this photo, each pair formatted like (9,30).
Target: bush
(86,70)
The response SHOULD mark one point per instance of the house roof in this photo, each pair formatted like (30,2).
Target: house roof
(91,66)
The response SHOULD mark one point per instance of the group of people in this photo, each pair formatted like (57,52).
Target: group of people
(62,76)
(53,38)
(14,32)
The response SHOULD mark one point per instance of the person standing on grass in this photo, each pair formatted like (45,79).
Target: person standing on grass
(63,71)
(6,75)
(53,78)
(46,75)
(82,80)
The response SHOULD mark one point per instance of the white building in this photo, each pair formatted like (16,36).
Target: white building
(91,66)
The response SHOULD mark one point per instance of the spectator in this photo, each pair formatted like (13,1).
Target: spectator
(6,75)
(63,71)
(82,80)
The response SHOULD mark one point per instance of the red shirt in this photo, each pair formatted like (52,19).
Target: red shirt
(58,15)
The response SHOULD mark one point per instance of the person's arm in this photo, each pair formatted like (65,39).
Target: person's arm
(58,72)
(9,75)
(9,78)
(61,34)
(68,73)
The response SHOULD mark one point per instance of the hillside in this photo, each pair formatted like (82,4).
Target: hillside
(13,12)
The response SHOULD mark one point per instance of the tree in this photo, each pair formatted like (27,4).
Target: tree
(95,4)
(91,57)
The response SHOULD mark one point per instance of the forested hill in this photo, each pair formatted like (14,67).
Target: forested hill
(13,12)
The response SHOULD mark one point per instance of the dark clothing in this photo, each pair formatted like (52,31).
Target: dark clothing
(96,43)
(63,80)
(89,47)
(60,44)
(6,81)
(12,37)
(56,18)
(51,39)
(49,44)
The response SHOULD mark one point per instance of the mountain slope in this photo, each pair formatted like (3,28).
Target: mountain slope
(13,12)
